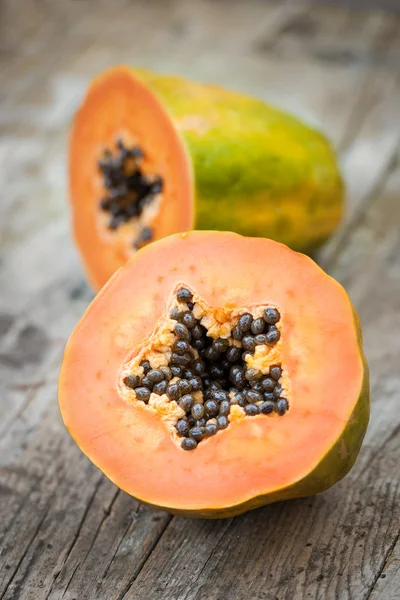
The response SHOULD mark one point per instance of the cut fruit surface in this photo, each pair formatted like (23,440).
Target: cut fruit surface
(152,155)
(204,367)
(207,376)
(121,131)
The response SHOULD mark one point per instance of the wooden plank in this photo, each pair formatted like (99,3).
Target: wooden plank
(334,36)
(66,532)
(25,46)
(368,156)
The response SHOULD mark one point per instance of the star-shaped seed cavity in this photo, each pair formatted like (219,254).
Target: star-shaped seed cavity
(205,366)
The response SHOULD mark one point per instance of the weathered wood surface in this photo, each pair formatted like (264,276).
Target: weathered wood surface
(66,531)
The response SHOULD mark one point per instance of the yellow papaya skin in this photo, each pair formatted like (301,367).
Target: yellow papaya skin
(257,171)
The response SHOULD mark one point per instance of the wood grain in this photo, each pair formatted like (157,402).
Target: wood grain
(66,531)
(387,583)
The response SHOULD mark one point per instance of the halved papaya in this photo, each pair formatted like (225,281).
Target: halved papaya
(152,155)
(215,373)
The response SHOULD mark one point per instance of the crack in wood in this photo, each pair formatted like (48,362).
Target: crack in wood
(101,524)
(383,566)
(378,451)
(35,487)
(345,236)
(119,545)
(34,390)
(31,395)
(212,554)
(76,535)
(132,579)
(357,116)
(70,579)
(24,554)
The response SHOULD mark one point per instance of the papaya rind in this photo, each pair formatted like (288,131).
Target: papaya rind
(257,171)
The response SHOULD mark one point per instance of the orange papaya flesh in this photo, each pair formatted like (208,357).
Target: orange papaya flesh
(256,458)
(123,109)
(212,159)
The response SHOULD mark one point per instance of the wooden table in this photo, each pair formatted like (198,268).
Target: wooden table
(65,530)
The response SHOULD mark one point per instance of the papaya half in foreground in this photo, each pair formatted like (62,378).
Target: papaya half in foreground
(152,155)
(206,378)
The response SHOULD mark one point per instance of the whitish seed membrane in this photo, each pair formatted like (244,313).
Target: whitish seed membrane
(131,198)
(204,367)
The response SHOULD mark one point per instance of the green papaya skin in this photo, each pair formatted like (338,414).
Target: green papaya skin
(257,171)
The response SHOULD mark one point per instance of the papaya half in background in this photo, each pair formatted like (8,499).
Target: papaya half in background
(152,155)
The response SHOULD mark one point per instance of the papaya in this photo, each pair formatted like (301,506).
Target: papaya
(215,373)
(151,155)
